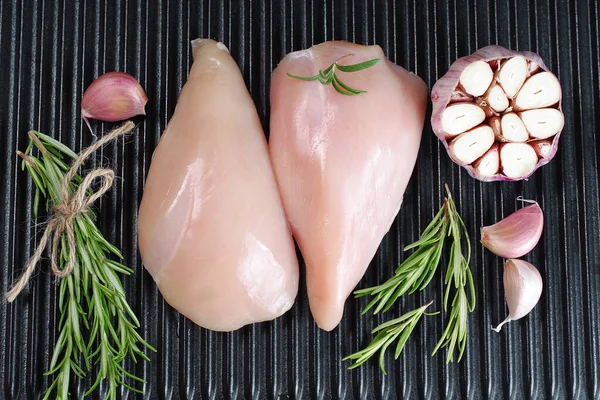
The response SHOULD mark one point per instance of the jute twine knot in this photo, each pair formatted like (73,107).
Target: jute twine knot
(64,212)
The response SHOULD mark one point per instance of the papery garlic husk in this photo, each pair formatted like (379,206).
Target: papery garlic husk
(515,235)
(542,147)
(523,289)
(513,93)
(114,96)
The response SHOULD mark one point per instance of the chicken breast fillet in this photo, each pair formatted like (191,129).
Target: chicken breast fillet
(212,231)
(342,162)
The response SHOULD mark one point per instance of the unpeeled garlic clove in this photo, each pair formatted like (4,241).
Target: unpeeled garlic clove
(512,92)
(515,235)
(114,96)
(523,289)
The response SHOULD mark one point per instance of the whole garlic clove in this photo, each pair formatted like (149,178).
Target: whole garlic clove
(114,96)
(515,235)
(523,288)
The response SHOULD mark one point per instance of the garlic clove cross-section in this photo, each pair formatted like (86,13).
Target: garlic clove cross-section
(461,117)
(517,160)
(469,146)
(512,75)
(497,99)
(543,123)
(539,91)
(515,95)
(477,78)
(488,164)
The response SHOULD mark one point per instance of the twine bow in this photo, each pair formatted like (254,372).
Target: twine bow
(71,205)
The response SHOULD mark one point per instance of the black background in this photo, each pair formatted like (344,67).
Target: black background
(51,51)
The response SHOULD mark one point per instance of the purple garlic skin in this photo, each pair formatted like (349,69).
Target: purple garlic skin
(515,235)
(444,93)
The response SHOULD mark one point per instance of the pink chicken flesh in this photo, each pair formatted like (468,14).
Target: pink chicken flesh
(342,162)
(212,231)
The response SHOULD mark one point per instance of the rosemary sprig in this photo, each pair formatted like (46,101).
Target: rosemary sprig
(459,276)
(91,299)
(399,328)
(416,271)
(328,76)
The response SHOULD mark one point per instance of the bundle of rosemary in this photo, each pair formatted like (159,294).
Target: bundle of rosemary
(415,273)
(96,326)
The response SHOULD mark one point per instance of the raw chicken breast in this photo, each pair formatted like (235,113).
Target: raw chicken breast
(212,231)
(342,162)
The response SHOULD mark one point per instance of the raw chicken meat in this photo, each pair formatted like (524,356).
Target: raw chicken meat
(342,162)
(212,230)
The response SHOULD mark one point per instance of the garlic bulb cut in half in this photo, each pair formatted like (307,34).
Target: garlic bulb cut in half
(515,95)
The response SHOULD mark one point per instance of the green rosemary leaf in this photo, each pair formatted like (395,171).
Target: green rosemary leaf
(36,178)
(395,322)
(431,232)
(371,304)
(404,338)
(132,388)
(118,267)
(386,343)
(339,89)
(305,78)
(359,66)
(346,87)
(36,202)
(60,342)
(27,150)
(132,376)
(432,266)
(471,289)
(64,389)
(51,142)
